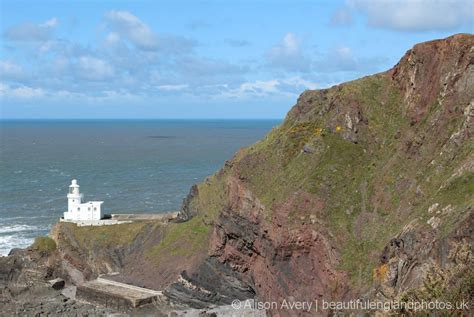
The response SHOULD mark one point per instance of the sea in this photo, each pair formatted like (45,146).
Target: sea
(134,166)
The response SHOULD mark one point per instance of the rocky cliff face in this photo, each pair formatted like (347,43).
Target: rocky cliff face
(366,189)
(24,290)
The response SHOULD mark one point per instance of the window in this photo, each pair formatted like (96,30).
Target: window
(78,208)
(89,209)
(95,208)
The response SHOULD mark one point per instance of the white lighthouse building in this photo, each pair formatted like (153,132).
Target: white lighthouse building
(77,210)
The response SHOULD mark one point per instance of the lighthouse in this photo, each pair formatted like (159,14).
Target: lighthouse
(74,197)
(77,210)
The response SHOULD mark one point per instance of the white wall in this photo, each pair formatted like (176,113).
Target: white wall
(86,211)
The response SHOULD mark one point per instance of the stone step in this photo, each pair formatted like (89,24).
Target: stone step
(116,295)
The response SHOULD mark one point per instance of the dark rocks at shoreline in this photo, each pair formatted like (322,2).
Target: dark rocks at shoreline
(25,291)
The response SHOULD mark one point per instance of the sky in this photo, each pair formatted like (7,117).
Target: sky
(201,59)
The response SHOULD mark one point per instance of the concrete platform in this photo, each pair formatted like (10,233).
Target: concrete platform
(141,217)
(116,295)
(116,219)
(96,223)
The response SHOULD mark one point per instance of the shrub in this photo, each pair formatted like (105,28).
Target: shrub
(44,244)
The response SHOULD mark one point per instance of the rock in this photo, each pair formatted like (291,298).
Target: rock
(214,282)
(57,283)
(206,314)
(434,222)
(15,251)
(308,149)
(348,121)
(433,208)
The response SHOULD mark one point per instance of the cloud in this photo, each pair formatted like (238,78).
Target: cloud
(124,26)
(20,92)
(112,38)
(131,28)
(287,55)
(51,23)
(198,66)
(416,15)
(300,83)
(286,87)
(31,32)
(341,17)
(92,68)
(342,59)
(134,63)
(173,87)
(259,86)
(176,45)
(11,71)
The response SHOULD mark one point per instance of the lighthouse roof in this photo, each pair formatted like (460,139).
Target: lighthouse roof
(74,183)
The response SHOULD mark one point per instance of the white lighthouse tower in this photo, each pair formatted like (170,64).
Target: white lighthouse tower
(74,197)
(79,211)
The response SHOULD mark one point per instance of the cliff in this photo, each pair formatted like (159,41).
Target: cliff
(366,190)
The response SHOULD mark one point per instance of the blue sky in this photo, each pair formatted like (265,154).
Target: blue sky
(201,59)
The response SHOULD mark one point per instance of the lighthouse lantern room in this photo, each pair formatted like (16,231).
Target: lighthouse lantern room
(77,210)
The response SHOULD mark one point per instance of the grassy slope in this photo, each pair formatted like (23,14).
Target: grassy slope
(191,237)
(103,237)
(375,179)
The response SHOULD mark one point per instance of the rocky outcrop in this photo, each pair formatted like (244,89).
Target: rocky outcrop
(214,282)
(25,290)
(278,261)
(420,266)
(187,210)
(435,71)
(365,191)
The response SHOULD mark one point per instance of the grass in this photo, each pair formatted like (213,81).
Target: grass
(347,176)
(191,238)
(44,244)
(182,239)
(106,236)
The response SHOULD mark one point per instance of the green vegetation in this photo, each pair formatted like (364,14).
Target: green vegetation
(191,238)
(44,244)
(106,236)
(461,189)
(371,188)
(181,239)
(344,174)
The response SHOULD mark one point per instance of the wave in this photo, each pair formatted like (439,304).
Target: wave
(13,241)
(17,228)
(25,217)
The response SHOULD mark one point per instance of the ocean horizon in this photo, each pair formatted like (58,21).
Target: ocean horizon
(133,165)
